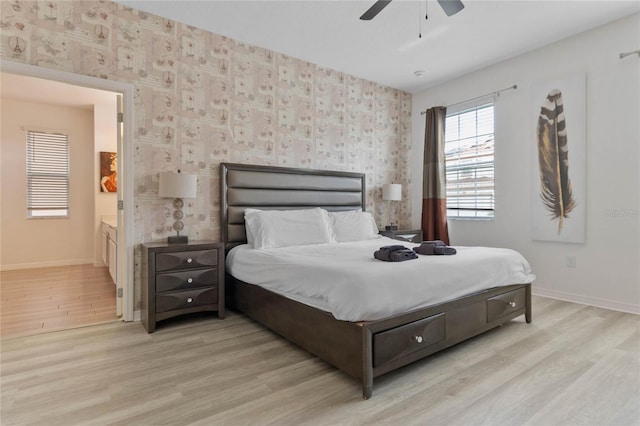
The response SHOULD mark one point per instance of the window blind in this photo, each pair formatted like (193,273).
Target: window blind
(469,157)
(47,174)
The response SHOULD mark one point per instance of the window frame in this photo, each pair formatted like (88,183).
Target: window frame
(485,168)
(52,174)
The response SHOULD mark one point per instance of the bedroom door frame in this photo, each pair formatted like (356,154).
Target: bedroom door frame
(125,166)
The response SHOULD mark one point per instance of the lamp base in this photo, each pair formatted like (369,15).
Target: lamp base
(391,228)
(178,239)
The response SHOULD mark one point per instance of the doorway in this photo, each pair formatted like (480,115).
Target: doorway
(123,217)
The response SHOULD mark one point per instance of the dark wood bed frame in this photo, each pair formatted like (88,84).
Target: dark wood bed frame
(364,350)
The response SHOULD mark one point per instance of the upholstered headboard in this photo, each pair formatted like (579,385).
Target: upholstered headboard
(281,188)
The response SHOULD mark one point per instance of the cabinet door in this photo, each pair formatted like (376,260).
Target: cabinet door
(105,247)
(113,260)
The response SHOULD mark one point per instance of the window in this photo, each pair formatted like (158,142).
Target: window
(469,162)
(47,174)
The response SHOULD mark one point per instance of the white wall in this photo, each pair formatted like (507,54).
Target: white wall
(46,242)
(607,270)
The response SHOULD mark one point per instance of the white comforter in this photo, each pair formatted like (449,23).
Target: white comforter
(346,280)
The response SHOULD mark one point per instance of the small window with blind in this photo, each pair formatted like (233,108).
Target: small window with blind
(47,175)
(469,161)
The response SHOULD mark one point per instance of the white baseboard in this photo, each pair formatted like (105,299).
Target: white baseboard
(48,264)
(586,300)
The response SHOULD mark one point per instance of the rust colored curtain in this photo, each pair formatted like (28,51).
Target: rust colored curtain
(434,191)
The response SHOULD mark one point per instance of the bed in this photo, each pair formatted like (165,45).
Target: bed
(362,349)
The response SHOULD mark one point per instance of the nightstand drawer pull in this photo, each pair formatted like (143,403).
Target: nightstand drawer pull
(189,260)
(512,304)
(190,280)
(418,339)
(189,300)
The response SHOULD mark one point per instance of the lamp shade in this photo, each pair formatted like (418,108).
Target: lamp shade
(392,192)
(178,185)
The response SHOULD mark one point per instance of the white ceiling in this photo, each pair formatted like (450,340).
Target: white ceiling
(387,49)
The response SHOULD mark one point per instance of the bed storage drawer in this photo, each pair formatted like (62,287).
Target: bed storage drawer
(505,304)
(400,341)
(467,320)
(186,299)
(186,280)
(186,259)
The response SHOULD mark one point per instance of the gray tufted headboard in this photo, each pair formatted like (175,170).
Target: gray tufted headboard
(282,188)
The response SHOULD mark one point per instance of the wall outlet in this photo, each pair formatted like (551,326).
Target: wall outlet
(571,261)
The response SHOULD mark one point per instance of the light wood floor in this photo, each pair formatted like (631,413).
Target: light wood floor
(56,298)
(573,365)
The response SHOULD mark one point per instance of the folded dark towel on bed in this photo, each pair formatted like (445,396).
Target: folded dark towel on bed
(384,253)
(436,247)
(402,255)
(393,247)
(395,253)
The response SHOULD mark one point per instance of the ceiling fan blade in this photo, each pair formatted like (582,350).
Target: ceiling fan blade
(374,10)
(450,7)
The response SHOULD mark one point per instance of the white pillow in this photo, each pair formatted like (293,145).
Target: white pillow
(354,225)
(284,228)
(248,230)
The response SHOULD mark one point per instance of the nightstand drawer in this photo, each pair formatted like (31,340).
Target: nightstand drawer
(186,259)
(186,299)
(186,280)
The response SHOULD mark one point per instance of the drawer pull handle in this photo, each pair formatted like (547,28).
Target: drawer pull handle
(190,280)
(189,260)
(417,339)
(189,300)
(512,304)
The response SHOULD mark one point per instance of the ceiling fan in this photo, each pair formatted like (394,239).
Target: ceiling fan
(450,7)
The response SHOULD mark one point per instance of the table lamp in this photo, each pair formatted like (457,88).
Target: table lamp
(178,186)
(391,192)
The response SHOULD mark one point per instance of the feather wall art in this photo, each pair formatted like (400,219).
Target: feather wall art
(553,159)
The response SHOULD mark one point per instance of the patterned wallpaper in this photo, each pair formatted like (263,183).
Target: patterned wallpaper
(202,98)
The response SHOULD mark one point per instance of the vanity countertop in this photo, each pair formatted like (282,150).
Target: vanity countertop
(112,221)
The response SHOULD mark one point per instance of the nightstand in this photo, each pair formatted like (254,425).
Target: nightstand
(179,279)
(410,235)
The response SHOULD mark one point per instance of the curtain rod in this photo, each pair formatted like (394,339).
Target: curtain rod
(497,92)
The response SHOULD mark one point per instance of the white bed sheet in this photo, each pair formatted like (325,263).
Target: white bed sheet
(346,280)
